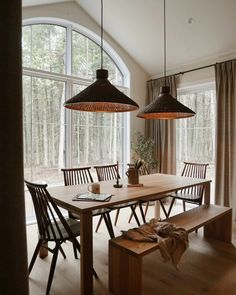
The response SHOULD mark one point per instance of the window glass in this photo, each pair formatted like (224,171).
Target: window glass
(86,59)
(44,134)
(44,47)
(98,136)
(196,135)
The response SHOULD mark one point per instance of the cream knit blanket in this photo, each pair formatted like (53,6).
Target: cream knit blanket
(172,241)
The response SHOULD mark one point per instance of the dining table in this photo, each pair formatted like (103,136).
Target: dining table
(153,185)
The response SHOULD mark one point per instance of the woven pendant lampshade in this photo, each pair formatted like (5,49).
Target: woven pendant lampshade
(165,106)
(101,96)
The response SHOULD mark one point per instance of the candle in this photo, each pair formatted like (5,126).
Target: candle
(117,169)
(117,185)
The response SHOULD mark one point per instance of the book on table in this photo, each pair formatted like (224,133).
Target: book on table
(89,196)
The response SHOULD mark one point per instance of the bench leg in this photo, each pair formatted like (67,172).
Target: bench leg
(125,272)
(220,229)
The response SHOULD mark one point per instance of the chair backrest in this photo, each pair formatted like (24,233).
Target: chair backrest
(47,213)
(107,172)
(74,176)
(194,170)
(143,170)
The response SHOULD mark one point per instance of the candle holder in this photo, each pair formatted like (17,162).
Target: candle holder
(117,185)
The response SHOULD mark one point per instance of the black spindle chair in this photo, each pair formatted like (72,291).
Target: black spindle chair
(52,227)
(193,194)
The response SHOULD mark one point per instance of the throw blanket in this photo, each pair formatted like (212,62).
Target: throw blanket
(172,241)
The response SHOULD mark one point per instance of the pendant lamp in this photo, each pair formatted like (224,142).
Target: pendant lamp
(101,96)
(165,106)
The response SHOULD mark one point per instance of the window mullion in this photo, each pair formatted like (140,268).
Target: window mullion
(68,127)
(69,50)
(69,85)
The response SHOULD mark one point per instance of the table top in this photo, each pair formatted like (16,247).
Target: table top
(153,185)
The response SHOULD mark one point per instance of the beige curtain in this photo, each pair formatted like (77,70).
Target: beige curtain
(162,131)
(225,188)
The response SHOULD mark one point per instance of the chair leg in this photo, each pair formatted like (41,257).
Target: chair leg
(76,244)
(52,268)
(95,274)
(184,206)
(36,251)
(164,209)
(62,252)
(108,222)
(142,213)
(145,212)
(131,215)
(135,215)
(117,215)
(75,251)
(70,215)
(146,209)
(99,223)
(171,205)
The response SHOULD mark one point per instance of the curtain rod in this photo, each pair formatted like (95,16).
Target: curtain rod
(195,69)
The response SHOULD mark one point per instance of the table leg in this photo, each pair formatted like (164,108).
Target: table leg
(86,253)
(207,193)
(157,213)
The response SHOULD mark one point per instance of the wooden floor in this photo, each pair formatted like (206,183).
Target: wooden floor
(206,268)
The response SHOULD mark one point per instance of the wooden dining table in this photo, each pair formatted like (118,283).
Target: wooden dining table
(153,185)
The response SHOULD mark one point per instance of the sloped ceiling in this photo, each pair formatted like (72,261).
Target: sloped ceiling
(198,31)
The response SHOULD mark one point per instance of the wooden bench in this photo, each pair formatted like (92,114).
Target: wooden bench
(125,256)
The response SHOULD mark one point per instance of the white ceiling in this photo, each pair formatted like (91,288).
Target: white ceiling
(40,2)
(198,31)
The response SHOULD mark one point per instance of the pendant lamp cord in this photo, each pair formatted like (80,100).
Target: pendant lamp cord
(165,40)
(101,47)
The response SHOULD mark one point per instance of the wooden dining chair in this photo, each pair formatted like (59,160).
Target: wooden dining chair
(194,194)
(75,176)
(107,172)
(110,172)
(52,227)
(82,175)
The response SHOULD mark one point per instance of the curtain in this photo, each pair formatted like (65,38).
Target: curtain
(225,188)
(162,131)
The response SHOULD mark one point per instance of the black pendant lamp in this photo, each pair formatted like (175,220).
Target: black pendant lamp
(101,96)
(165,106)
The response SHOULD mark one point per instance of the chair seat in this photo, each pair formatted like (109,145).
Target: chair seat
(53,234)
(154,198)
(128,204)
(184,196)
(95,212)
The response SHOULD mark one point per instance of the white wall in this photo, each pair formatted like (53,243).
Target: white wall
(199,77)
(70,11)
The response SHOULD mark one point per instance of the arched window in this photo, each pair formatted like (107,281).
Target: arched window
(58,62)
